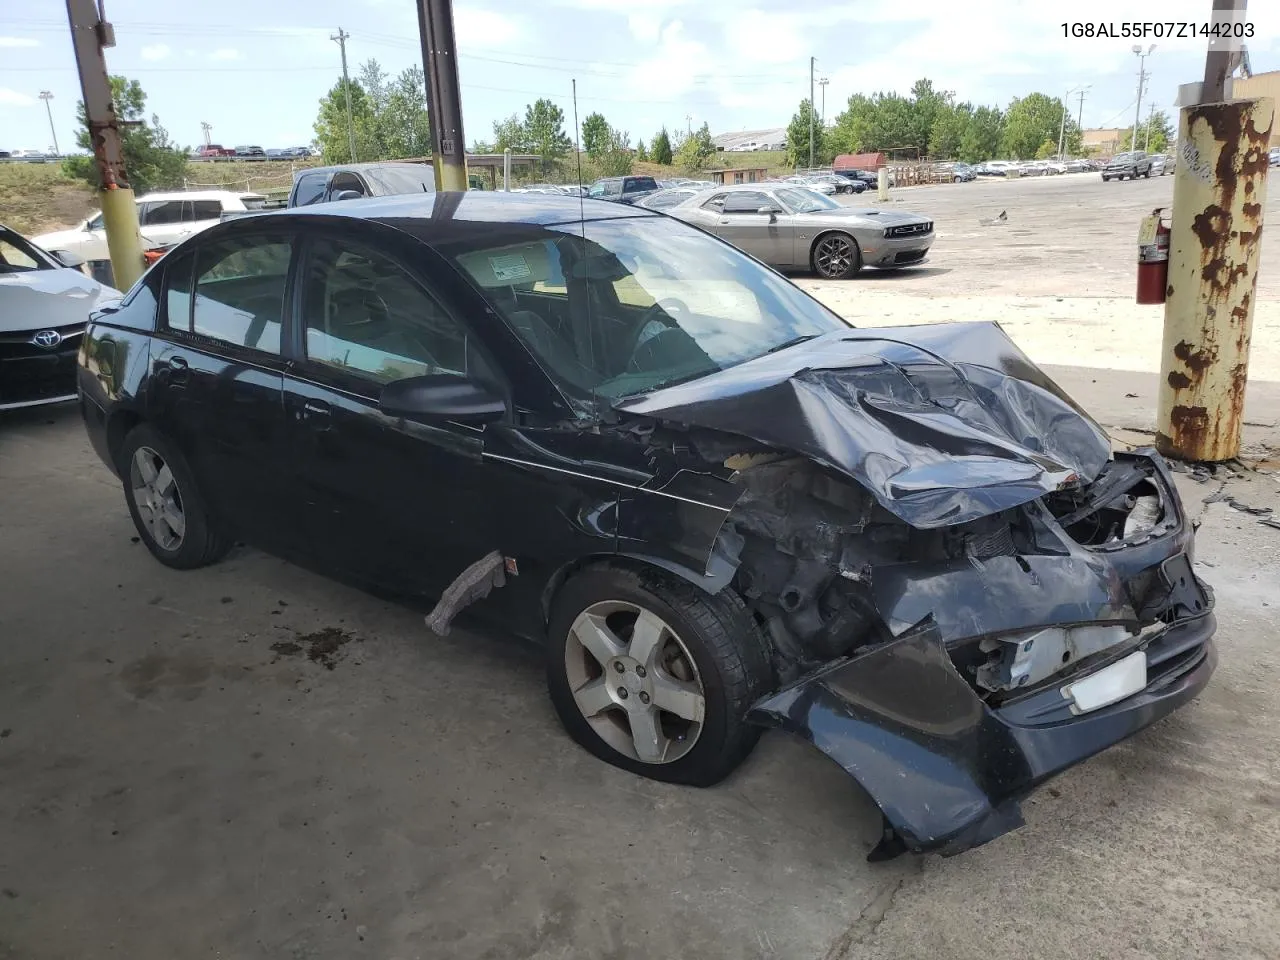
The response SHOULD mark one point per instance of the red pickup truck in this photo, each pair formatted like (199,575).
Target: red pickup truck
(215,150)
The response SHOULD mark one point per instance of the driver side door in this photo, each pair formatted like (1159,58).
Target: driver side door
(767,237)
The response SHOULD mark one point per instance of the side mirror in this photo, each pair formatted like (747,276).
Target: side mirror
(348,195)
(442,396)
(67,258)
(770,212)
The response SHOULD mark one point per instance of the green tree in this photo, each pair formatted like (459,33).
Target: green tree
(544,132)
(595,135)
(509,134)
(614,157)
(331,124)
(1162,134)
(661,149)
(404,128)
(981,139)
(949,127)
(1028,123)
(798,137)
(695,150)
(151,160)
(642,154)
(884,121)
(1047,149)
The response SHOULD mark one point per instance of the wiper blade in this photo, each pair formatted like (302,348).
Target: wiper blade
(794,341)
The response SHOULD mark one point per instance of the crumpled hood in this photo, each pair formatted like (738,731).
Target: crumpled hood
(36,299)
(943,423)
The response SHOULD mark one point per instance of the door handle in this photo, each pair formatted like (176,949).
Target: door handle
(178,369)
(318,414)
(724,220)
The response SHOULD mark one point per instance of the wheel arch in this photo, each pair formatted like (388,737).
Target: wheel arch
(119,424)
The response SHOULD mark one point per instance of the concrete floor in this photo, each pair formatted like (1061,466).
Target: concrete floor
(172,786)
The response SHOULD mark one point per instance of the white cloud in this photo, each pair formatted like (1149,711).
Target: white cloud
(156,51)
(12,98)
(226,53)
(759,37)
(477,27)
(18,42)
(645,27)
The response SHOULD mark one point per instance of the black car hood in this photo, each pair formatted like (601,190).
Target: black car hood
(942,423)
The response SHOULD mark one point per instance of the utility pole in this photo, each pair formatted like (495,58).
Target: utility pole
(206,128)
(688,119)
(812,61)
(1219,195)
(1062,127)
(444,95)
(341,38)
(1151,113)
(822,117)
(1080,117)
(1142,79)
(46,96)
(89,35)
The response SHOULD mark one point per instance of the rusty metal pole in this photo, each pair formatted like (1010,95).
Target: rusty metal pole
(444,96)
(1219,193)
(90,34)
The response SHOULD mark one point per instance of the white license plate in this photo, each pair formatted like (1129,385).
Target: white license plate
(1109,685)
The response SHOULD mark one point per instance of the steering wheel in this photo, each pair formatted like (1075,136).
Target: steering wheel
(661,311)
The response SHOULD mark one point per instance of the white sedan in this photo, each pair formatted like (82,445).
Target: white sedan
(45,302)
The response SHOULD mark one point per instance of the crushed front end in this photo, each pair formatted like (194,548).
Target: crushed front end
(953,670)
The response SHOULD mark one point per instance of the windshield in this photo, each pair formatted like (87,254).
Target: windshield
(639,303)
(1123,156)
(805,201)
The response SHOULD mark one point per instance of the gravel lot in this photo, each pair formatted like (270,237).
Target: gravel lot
(254,761)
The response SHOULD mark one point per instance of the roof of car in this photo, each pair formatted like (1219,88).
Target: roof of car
(196,195)
(425,170)
(476,206)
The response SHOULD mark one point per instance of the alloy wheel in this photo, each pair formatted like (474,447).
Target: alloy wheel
(635,682)
(158,499)
(835,256)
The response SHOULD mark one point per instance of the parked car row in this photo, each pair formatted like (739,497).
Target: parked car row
(29,156)
(216,151)
(713,504)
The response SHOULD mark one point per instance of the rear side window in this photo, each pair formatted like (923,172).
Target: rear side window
(206,209)
(240,285)
(177,295)
(641,183)
(310,190)
(346,181)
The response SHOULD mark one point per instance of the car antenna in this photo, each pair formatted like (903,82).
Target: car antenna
(582,229)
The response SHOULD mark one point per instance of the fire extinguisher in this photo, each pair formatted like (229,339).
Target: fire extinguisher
(1153,258)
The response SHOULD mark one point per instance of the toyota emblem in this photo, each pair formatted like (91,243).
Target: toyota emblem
(47,339)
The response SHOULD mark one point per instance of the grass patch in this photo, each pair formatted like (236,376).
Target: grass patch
(37,197)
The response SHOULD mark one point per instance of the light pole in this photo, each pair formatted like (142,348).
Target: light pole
(206,128)
(46,96)
(822,82)
(1062,129)
(341,38)
(1142,78)
(812,61)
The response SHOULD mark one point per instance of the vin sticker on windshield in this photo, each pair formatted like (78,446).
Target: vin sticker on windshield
(509,267)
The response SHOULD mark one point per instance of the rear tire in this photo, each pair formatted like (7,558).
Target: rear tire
(1147,175)
(168,510)
(705,657)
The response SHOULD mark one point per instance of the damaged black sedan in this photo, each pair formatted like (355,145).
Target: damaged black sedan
(716,504)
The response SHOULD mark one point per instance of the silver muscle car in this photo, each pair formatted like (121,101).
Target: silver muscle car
(787,226)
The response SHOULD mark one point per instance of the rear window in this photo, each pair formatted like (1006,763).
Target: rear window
(641,183)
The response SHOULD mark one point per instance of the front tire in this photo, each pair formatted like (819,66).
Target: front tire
(652,675)
(836,256)
(168,510)
(1147,175)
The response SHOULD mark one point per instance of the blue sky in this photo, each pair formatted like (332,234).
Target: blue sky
(255,70)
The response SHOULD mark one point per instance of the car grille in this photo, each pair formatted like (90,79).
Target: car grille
(30,372)
(909,230)
(909,256)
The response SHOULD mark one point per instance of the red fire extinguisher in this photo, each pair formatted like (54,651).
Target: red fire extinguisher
(1153,258)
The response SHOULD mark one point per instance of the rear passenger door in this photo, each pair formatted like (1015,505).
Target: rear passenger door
(216,383)
(161,222)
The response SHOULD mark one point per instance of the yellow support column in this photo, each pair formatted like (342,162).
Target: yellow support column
(1219,192)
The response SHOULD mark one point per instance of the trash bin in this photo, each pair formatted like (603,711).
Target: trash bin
(1012,173)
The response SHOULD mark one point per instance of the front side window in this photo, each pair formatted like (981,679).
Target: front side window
(95,223)
(15,256)
(310,190)
(805,201)
(366,316)
(638,303)
(746,202)
(345,181)
(177,296)
(239,296)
